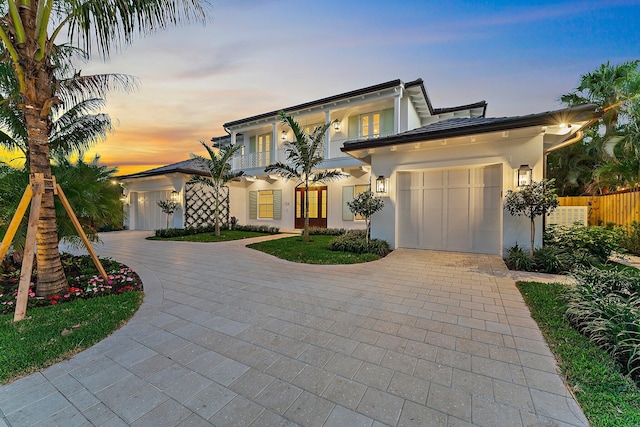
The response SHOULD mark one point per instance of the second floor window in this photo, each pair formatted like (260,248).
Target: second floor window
(370,125)
(264,143)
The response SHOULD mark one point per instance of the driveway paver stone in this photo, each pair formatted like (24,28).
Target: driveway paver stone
(231,336)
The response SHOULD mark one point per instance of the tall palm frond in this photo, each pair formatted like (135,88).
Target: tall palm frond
(616,90)
(78,88)
(109,24)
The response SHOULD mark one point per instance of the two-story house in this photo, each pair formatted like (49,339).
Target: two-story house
(442,172)
(370,113)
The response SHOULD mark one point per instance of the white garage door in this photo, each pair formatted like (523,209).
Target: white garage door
(147,213)
(451,210)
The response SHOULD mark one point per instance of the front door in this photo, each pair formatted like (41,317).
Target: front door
(317,207)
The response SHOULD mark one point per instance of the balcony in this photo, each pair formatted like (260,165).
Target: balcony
(263,159)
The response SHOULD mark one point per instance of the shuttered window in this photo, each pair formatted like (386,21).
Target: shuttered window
(265,204)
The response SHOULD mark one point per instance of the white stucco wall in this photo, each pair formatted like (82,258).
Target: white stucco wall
(519,147)
(240,202)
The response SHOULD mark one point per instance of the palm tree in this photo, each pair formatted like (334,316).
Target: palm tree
(218,165)
(29,31)
(609,87)
(614,138)
(304,156)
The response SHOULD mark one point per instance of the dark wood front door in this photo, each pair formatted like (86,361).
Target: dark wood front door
(317,207)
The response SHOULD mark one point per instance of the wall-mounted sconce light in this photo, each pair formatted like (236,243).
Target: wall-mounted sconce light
(283,135)
(382,184)
(336,126)
(524,175)
(175,196)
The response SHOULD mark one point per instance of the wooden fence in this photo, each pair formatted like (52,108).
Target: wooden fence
(620,208)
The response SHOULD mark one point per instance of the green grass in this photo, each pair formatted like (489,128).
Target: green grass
(51,334)
(314,252)
(607,397)
(225,236)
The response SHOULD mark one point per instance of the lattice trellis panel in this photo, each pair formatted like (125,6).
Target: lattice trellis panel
(200,206)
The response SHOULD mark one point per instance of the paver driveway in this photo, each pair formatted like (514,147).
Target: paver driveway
(232,336)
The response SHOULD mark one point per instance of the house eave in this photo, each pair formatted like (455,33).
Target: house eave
(315,104)
(582,114)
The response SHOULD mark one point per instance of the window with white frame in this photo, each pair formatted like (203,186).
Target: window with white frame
(370,125)
(265,204)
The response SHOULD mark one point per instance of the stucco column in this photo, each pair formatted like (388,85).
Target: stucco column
(327,135)
(396,113)
(274,146)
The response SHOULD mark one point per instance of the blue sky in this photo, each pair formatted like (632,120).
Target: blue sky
(260,55)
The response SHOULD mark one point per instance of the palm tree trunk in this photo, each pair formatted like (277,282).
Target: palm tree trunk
(38,98)
(217,211)
(51,279)
(305,233)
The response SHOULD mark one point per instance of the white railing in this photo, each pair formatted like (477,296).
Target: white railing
(261,160)
(251,160)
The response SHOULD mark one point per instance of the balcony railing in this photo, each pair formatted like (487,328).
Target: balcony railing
(261,160)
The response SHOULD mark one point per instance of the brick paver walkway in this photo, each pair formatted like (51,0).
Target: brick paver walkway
(232,336)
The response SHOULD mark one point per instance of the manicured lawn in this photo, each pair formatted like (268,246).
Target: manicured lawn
(606,396)
(51,334)
(225,235)
(314,252)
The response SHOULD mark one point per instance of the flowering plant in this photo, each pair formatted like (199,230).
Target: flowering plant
(83,283)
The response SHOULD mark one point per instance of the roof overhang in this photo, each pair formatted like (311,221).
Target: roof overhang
(389,88)
(558,126)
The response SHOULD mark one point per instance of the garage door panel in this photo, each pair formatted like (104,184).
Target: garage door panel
(409,202)
(458,178)
(432,179)
(458,208)
(431,235)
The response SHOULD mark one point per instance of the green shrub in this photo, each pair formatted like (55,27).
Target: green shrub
(518,259)
(550,259)
(319,231)
(605,306)
(189,231)
(631,238)
(354,241)
(599,242)
(267,229)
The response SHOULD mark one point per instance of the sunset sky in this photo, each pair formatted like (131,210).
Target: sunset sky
(261,55)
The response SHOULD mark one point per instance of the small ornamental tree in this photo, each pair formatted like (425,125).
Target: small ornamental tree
(366,204)
(532,201)
(168,207)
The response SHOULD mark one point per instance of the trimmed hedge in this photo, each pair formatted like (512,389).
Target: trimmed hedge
(189,231)
(354,241)
(318,231)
